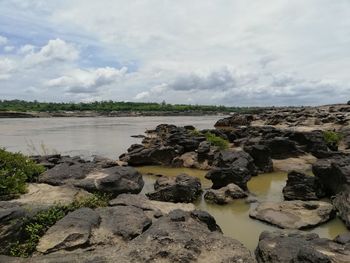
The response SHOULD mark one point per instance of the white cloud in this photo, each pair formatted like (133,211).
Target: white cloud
(3,40)
(6,68)
(26,49)
(242,52)
(87,81)
(56,50)
(9,48)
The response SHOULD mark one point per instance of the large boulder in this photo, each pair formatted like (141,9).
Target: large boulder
(115,180)
(334,173)
(282,147)
(185,237)
(341,203)
(182,188)
(302,187)
(262,157)
(293,214)
(139,154)
(299,247)
(224,176)
(225,194)
(235,121)
(70,232)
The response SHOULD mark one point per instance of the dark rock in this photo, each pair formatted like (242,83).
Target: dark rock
(333,174)
(343,238)
(302,187)
(225,194)
(126,222)
(262,157)
(235,120)
(224,176)
(298,247)
(182,188)
(70,232)
(206,218)
(341,203)
(187,240)
(203,150)
(282,147)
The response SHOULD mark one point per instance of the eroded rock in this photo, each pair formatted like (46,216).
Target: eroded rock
(293,214)
(225,194)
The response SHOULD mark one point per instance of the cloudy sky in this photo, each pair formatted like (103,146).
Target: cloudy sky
(227,52)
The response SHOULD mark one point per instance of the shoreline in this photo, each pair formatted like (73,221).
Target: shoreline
(93,114)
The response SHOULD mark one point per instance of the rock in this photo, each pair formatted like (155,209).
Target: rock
(115,180)
(124,222)
(224,176)
(293,214)
(225,194)
(262,157)
(334,173)
(235,120)
(70,232)
(343,238)
(44,194)
(302,187)
(142,202)
(348,103)
(299,247)
(206,218)
(240,159)
(185,238)
(203,151)
(141,155)
(183,188)
(282,147)
(341,203)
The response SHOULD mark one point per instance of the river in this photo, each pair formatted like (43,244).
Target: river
(110,137)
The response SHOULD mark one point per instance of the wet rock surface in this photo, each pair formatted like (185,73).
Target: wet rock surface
(286,247)
(293,214)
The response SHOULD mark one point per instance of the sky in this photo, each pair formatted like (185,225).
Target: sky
(222,52)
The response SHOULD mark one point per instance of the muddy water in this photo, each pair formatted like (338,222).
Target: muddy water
(234,218)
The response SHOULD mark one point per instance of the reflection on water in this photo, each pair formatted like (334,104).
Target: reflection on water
(234,218)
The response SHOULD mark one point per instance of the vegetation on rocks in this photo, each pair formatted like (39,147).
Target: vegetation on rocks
(332,138)
(15,171)
(217,141)
(34,228)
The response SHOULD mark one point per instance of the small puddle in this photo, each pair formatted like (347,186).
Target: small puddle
(234,218)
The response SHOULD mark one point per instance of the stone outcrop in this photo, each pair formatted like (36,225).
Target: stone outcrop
(182,188)
(299,247)
(293,214)
(302,187)
(341,203)
(225,194)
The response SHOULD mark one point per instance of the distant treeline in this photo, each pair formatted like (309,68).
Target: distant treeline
(107,106)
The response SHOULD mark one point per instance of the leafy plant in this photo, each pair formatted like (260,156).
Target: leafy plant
(195,132)
(15,171)
(217,141)
(332,138)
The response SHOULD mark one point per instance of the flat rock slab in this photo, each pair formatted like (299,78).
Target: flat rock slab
(299,247)
(44,194)
(293,214)
(70,232)
(142,202)
(120,223)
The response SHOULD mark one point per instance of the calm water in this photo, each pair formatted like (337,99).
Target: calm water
(108,137)
(234,218)
(111,136)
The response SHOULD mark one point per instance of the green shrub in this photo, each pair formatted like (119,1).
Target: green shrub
(217,141)
(195,133)
(37,226)
(15,171)
(332,138)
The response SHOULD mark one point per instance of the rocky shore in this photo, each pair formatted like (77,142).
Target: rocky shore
(310,144)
